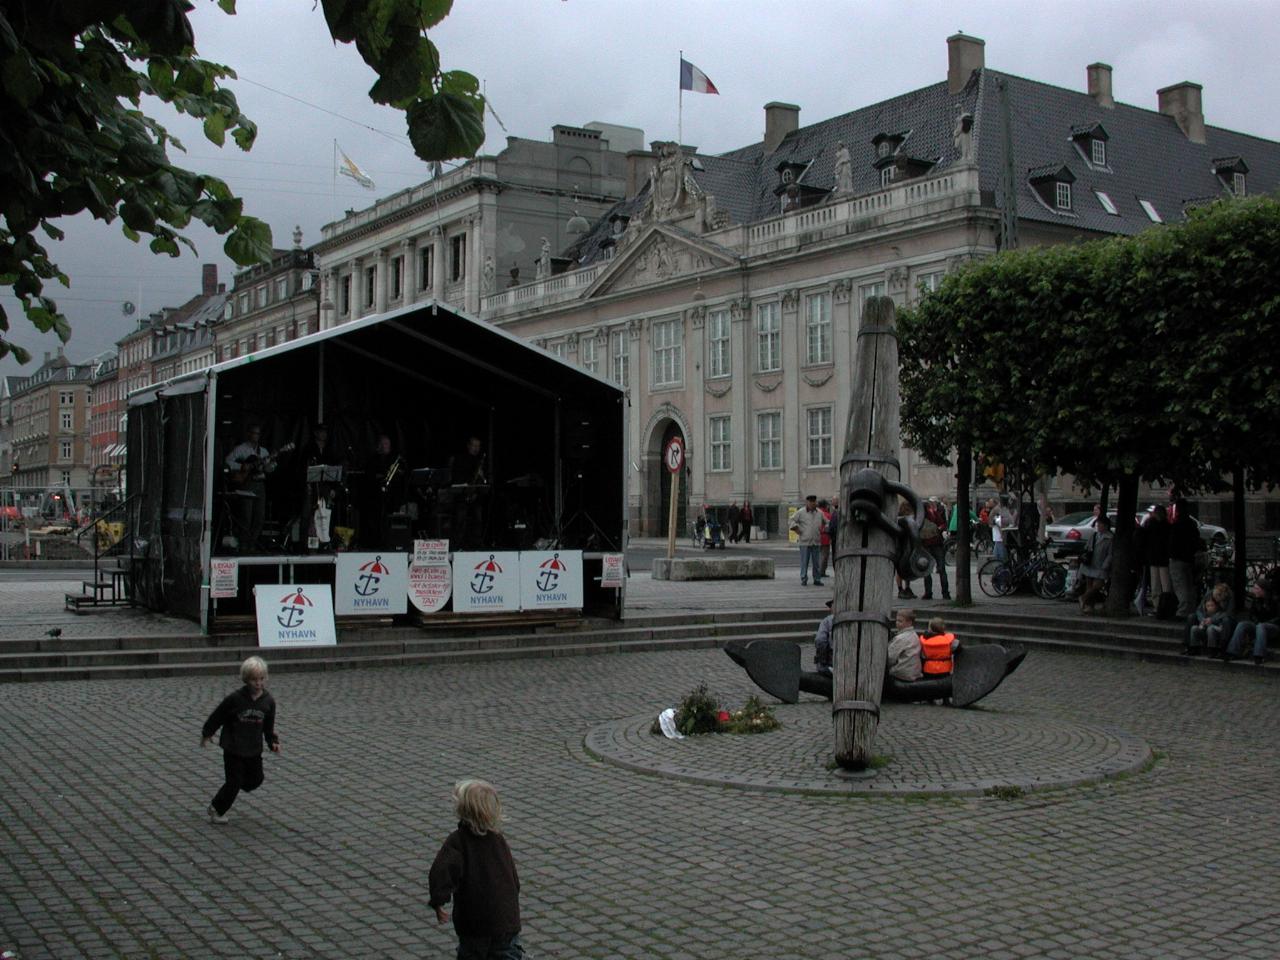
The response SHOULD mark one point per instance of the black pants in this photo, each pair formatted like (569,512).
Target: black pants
(242,773)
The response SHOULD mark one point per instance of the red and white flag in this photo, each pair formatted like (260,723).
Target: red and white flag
(691,78)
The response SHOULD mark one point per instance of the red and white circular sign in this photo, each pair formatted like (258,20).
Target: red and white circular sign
(673,455)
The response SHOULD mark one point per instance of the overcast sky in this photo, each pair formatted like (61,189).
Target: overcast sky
(545,62)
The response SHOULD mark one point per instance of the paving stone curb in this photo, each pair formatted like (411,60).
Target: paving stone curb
(931,751)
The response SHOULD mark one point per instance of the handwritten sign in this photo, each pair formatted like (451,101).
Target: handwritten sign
(224,578)
(430,551)
(430,586)
(612,571)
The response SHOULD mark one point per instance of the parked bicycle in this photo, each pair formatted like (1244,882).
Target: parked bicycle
(979,544)
(1029,568)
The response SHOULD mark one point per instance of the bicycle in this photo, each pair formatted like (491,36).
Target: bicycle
(979,545)
(1033,568)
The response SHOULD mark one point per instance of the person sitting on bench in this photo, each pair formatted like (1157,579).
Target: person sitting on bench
(904,648)
(937,649)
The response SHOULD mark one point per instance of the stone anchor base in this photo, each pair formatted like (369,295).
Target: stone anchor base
(709,568)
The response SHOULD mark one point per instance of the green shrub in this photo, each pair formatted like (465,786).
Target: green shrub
(698,713)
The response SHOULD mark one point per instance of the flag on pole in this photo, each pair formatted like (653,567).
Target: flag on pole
(691,78)
(348,168)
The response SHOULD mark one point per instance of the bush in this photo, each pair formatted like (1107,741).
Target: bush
(698,713)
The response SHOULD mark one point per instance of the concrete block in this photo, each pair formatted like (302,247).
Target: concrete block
(713,568)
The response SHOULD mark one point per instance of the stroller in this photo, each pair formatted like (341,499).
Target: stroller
(709,532)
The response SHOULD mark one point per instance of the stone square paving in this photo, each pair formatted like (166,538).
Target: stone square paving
(105,851)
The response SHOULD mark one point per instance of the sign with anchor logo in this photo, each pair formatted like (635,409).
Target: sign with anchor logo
(486,581)
(295,615)
(550,579)
(371,584)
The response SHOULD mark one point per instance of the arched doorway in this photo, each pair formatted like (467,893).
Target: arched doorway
(658,482)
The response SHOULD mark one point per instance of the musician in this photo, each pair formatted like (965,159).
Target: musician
(468,471)
(248,464)
(385,477)
(317,451)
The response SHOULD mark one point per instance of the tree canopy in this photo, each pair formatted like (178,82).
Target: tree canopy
(1142,358)
(74,137)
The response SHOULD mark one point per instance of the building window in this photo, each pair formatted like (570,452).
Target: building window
(621,355)
(587,354)
(1099,151)
(1062,195)
(557,349)
(886,176)
(817,312)
(425,261)
(244,308)
(282,289)
(769,441)
(64,450)
(66,398)
(308,280)
(458,257)
(344,298)
(66,478)
(882,149)
(1107,203)
(768,336)
(262,295)
(721,456)
(929,282)
(819,433)
(397,277)
(370,285)
(1237,184)
(66,420)
(718,352)
(1152,213)
(668,361)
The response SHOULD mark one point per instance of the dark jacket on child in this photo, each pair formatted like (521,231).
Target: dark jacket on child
(478,873)
(246,723)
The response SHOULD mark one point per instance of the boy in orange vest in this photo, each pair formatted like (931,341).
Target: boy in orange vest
(937,649)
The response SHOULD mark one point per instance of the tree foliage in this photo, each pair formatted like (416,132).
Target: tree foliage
(74,137)
(1143,358)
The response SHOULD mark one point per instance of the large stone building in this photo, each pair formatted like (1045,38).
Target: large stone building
(726,292)
(495,221)
(270,303)
(50,414)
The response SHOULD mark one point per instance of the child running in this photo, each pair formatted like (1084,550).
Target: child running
(247,719)
(474,868)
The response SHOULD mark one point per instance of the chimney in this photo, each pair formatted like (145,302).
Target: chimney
(1100,84)
(964,55)
(209,279)
(779,120)
(1182,102)
(639,165)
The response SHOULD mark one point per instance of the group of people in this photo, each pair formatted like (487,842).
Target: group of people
(473,868)
(1218,628)
(360,494)
(739,521)
(912,655)
(815,526)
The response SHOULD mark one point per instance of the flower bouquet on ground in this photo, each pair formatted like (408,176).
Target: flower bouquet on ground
(699,712)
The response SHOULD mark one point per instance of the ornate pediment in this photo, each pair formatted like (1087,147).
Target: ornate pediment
(657,256)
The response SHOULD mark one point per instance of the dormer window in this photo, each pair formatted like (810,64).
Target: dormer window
(883,149)
(1090,140)
(1052,185)
(1232,172)
(886,176)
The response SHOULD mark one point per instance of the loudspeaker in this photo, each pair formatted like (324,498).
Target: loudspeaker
(399,533)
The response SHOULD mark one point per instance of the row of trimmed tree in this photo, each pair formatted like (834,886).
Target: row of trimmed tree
(1146,358)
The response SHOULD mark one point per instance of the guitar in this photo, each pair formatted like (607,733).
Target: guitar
(251,465)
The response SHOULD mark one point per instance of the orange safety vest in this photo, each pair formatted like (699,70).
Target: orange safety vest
(935,653)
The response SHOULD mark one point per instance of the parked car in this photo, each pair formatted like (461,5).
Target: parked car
(1070,535)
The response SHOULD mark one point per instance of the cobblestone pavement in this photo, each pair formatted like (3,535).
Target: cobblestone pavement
(105,852)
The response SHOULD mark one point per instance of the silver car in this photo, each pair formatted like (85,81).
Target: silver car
(1072,533)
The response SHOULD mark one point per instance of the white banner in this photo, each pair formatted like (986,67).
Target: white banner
(295,616)
(430,586)
(224,578)
(551,579)
(613,571)
(486,581)
(371,584)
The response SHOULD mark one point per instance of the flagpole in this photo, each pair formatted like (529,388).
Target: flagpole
(680,109)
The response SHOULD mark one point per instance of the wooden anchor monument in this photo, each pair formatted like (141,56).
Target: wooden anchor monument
(873,543)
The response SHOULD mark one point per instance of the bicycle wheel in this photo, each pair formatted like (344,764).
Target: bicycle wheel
(1051,581)
(995,578)
(950,554)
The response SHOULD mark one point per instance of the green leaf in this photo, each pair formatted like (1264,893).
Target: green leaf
(20,81)
(249,242)
(446,126)
(215,128)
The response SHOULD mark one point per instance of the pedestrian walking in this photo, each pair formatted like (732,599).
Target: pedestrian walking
(931,538)
(474,868)
(745,517)
(247,720)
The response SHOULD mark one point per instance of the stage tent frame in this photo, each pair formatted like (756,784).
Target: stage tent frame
(426,372)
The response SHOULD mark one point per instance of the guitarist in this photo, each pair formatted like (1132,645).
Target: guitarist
(248,465)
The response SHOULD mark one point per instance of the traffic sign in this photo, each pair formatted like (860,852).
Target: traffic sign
(673,455)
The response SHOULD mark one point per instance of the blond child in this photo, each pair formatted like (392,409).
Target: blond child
(247,719)
(475,869)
